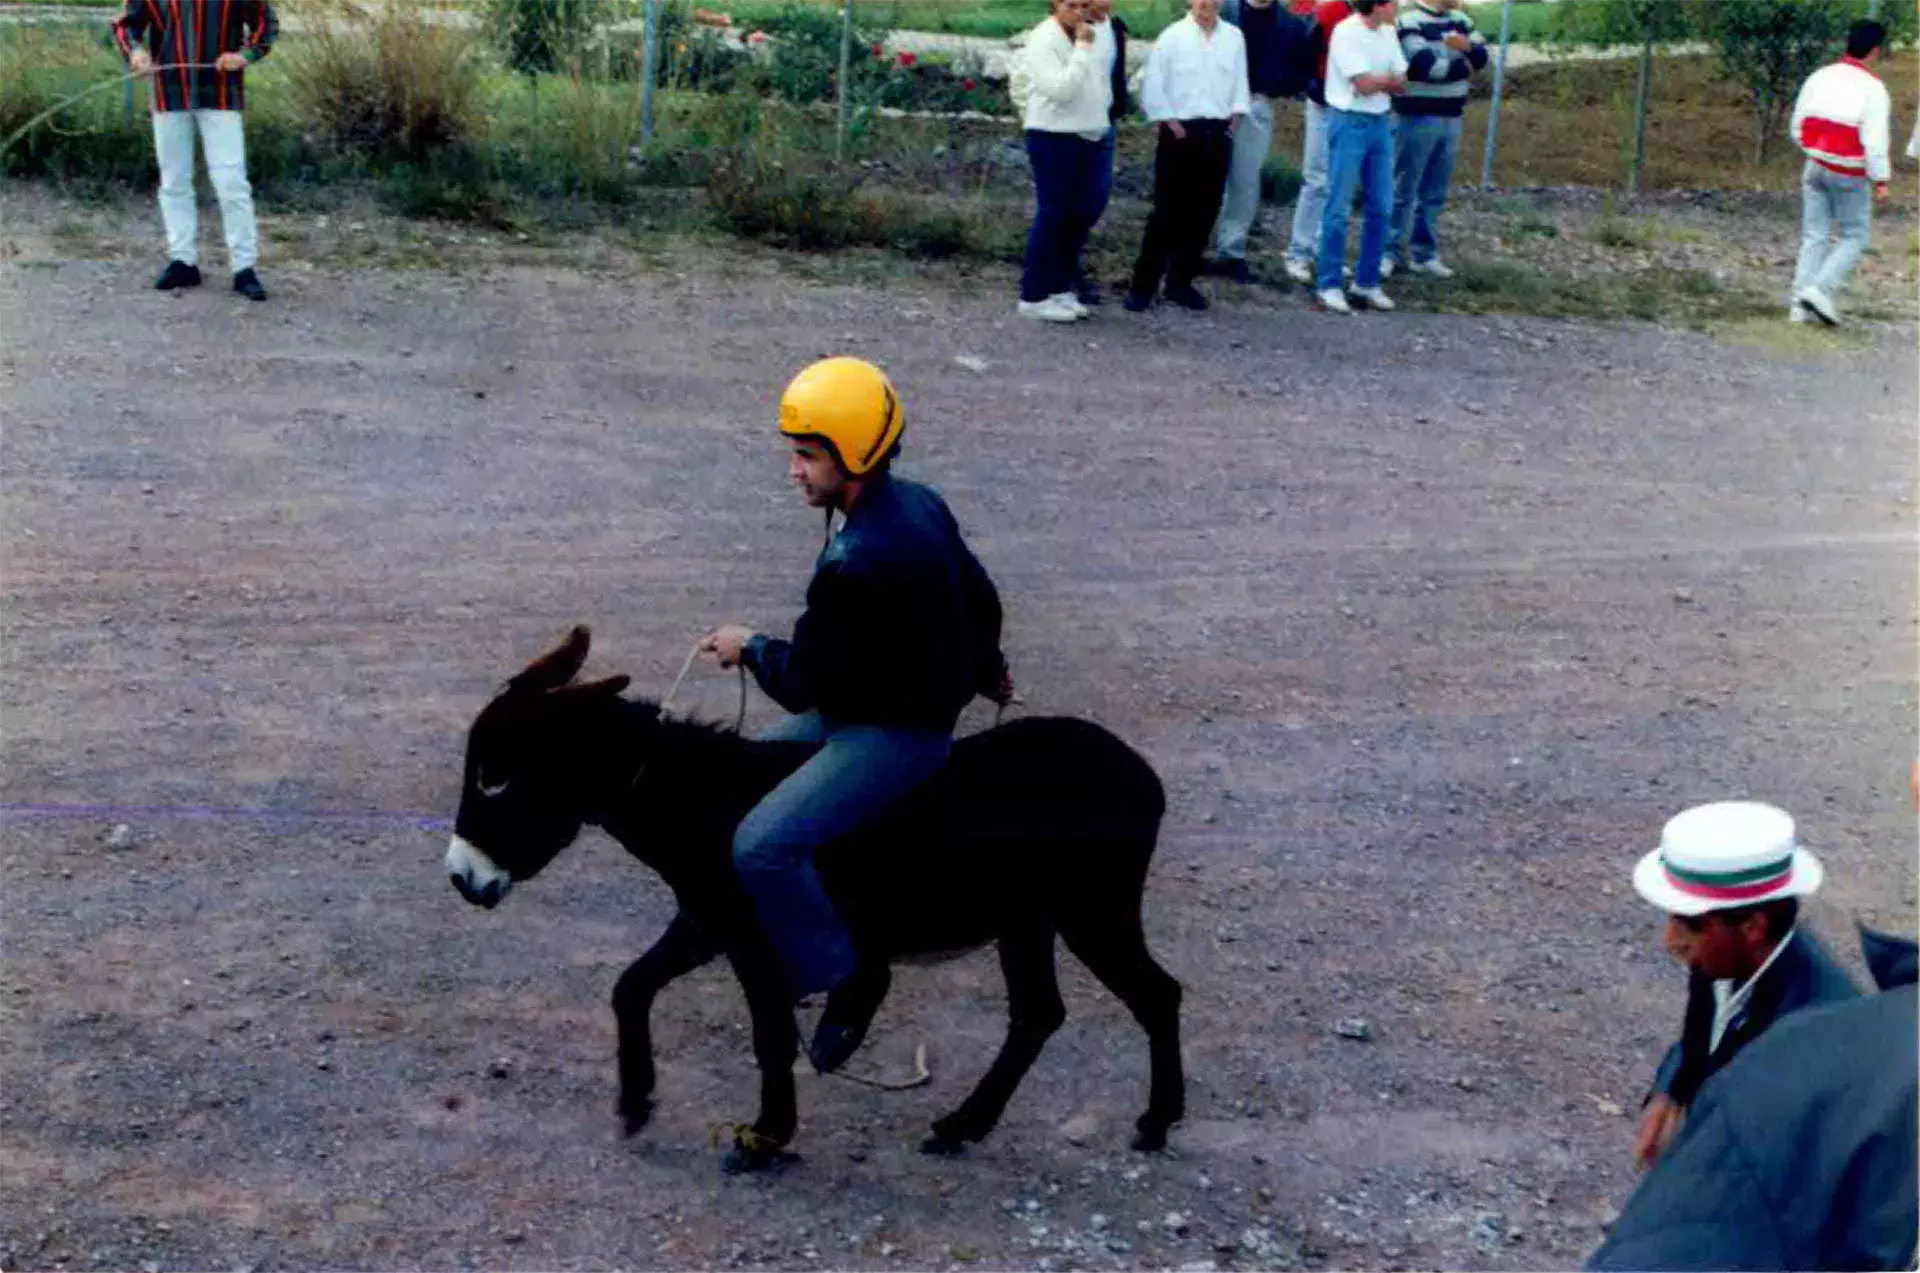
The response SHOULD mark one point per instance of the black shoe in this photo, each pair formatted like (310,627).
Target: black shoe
(1187,297)
(1088,292)
(177,274)
(247,283)
(1234,271)
(1135,303)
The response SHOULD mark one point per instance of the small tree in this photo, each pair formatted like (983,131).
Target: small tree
(1771,46)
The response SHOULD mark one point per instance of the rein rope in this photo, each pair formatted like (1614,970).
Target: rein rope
(85,93)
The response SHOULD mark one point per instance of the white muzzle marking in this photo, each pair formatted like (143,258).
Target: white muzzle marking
(475,874)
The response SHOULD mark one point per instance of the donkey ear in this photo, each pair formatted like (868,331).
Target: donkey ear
(552,670)
(592,689)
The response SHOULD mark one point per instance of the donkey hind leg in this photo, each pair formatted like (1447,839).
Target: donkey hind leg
(681,949)
(1115,951)
(776,1044)
(1035,1011)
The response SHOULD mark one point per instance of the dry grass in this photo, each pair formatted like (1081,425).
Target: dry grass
(385,83)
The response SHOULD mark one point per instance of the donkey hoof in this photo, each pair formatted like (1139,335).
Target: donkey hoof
(745,1160)
(943,1146)
(1150,1140)
(635,1117)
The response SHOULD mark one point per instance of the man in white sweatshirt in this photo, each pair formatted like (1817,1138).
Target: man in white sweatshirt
(1068,92)
(1841,122)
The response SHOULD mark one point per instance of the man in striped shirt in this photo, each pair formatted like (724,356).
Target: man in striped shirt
(196,52)
(1443,51)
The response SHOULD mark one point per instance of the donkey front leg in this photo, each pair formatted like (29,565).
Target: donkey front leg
(680,950)
(776,1044)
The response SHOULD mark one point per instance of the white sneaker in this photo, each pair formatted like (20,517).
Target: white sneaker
(1433,268)
(1047,311)
(1334,301)
(1820,305)
(1797,315)
(1387,266)
(1299,271)
(1372,298)
(1069,302)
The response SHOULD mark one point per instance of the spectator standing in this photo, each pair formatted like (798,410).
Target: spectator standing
(1443,51)
(1365,69)
(1303,244)
(1069,93)
(1109,45)
(1279,60)
(1195,89)
(1841,121)
(197,53)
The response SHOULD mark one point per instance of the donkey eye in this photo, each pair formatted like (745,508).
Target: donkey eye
(491,790)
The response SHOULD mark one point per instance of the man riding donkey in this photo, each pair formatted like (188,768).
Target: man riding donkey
(901,631)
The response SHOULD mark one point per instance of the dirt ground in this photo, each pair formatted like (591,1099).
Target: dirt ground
(1428,622)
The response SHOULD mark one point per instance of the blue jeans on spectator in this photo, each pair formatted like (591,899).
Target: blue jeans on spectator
(1066,187)
(1102,195)
(1424,147)
(858,773)
(1359,154)
(1304,243)
(1829,200)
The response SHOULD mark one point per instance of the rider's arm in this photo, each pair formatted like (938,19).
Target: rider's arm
(823,659)
(984,617)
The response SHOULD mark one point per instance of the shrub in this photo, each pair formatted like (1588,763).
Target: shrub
(390,86)
(93,137)
(1280,181)
(539,35)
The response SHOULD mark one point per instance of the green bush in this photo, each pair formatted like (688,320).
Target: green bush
(387,87)
(538,35)
(1280,181)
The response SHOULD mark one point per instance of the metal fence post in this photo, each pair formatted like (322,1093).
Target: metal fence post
(1499,87)
(649,59)
(1640,111)
(846,60)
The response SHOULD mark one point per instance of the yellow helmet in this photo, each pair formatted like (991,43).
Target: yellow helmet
(849,404)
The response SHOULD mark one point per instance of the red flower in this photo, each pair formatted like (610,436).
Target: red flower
(876,51)
(905,59)
(966,86)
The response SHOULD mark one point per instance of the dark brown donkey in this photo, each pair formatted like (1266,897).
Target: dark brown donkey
(1036,829)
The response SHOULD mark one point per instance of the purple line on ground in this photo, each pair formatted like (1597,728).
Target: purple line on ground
(212,813)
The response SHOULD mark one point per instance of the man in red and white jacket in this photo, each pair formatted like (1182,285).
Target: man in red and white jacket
(1840,121)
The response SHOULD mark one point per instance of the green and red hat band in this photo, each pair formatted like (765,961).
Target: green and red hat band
(1730,886)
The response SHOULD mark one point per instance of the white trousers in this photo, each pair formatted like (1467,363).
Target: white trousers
(225,143)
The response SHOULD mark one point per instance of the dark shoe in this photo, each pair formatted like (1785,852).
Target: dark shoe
(247,283)
(177,274)
(1234,271)
(1088,292)
(1135,303)
(1187,297)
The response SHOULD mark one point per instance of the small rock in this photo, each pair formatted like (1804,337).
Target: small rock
(1097,1222)
(1487,1229)
(500,1069)
(1080,1129)
(323,1064)
(1467,1083)
(1353,1028)
(970,362)
(1198,1266)
(120,837)
(1610,1108)
(1683,595)
(1174,1222)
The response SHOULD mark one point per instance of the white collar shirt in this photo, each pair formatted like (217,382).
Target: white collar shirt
(1194,74)
(1729,1002)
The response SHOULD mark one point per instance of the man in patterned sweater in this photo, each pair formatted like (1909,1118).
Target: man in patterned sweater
(1443,51)
(197,53)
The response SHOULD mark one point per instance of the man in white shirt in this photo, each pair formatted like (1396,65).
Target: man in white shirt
(1365,68)
(1195,89)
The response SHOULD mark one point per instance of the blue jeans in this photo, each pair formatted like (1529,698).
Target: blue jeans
(1424,147)
(1066,187)
(1359,153)
(1827,200)
(856,775)
(1304,243)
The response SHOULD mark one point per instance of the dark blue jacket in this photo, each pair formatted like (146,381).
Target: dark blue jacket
(1801,1153)
(1280,51)
(1803,975)
(902,626)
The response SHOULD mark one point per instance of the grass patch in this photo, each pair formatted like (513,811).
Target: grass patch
(1686,297)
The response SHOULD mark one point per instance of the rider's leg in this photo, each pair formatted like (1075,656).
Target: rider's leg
(856,775)
(807,727)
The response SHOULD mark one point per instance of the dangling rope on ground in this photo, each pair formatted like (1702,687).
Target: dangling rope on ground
(85,93)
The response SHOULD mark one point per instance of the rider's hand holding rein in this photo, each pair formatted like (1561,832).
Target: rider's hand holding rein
(724,644)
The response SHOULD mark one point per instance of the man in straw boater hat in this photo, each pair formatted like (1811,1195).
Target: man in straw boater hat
(1729,877)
